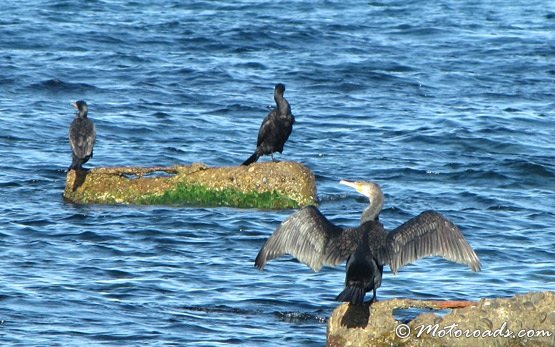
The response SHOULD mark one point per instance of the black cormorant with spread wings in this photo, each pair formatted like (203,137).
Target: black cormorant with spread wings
(275,128)
(311,238)
(82,135)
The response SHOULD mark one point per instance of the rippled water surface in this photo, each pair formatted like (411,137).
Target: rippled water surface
(448,105)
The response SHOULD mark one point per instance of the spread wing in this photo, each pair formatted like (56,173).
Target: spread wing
(82,135)
(311,238)
(428,234)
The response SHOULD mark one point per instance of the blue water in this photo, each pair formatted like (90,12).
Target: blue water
(448,105)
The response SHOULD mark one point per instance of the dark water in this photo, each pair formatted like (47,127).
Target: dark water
(448,105)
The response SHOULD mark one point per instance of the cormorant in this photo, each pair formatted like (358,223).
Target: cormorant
(82,135)
(311,238)
(275,128)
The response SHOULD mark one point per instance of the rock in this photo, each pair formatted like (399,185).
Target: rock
(523,320)
(259,185)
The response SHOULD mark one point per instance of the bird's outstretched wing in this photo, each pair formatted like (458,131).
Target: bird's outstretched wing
(311,238)
(428,234)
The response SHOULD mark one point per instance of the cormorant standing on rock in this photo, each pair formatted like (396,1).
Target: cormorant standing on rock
(275,128)
(311,238)
(82,135)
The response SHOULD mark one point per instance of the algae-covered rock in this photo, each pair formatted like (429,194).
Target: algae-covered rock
(523,320)
(260,185)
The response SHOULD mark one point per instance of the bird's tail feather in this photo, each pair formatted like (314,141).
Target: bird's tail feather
(254,157)
(354,295)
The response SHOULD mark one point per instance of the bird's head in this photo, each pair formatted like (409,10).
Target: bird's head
(279,88)
(368,189)
(82,108)
(372,191)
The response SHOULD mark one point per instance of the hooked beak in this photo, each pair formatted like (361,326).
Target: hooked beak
(74,104)
(354,185)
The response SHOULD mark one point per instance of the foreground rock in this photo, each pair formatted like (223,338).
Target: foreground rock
(523,320)
(260,185)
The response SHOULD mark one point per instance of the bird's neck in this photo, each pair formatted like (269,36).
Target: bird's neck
(368,215)
(282,105)
(372,212)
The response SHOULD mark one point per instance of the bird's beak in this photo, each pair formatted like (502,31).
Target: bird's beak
(74,104)
(354,185)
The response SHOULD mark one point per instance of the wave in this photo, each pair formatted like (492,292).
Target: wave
(56,85)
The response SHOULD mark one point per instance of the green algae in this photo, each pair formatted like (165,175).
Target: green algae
(195,194)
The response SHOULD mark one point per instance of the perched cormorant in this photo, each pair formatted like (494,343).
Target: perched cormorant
(275,128)
(82,135)
(311,238)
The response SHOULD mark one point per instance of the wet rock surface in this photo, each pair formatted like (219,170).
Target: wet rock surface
(523,320)
(290,184)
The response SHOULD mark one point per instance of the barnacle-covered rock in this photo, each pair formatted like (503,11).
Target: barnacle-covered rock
(260,185)
(523,320)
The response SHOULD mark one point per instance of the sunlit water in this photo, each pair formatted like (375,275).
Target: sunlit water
(447,105)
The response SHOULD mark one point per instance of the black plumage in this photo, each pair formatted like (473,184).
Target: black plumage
(275,128)
(82,135)
(311,238)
